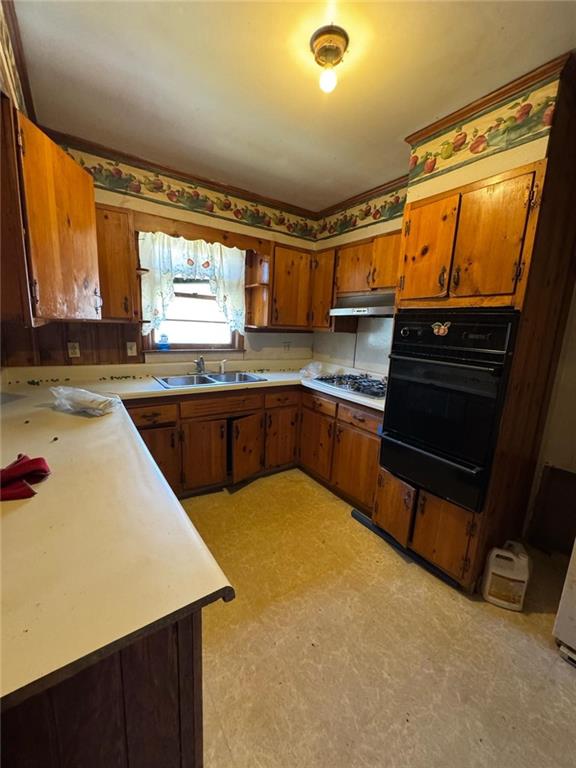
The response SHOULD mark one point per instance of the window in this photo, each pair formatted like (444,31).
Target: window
(193,293)
(194,320)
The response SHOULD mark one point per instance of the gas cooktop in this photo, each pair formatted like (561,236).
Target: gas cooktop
(360,383)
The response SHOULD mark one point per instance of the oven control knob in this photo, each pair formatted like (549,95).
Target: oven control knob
(405,331)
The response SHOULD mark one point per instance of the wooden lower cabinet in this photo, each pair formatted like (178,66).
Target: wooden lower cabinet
(442,533)
(203,453)
(355,464)
(247,446)
(316,443)
(281,436)
(394,506)
(164,445)
(140,706)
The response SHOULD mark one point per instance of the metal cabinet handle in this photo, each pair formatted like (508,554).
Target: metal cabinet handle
(172,440)
(153,415)
(222,432)
(456,277)
(373,278)
(236,432)
(442,278)
(125,304)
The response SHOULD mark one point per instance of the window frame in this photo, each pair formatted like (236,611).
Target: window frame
(236,341)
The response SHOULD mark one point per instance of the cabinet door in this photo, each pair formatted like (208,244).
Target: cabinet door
(428,240)
(61,230)
(203,453)
(291,288)
(164,445)
(117,263)
(354,268)
(247,447)
(394,506)
(490,238)
(316,443)
(355,465)
(441,533)
(385,261)
(281,433)
(322,289)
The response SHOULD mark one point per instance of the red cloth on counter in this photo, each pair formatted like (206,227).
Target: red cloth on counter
(16,479)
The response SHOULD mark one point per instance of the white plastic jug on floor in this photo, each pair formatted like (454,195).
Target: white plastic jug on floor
(506,576)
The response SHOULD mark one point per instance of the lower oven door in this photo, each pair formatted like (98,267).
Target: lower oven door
(439,425)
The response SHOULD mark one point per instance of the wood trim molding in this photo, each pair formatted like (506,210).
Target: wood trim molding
(16,40)
(370,194)
(548,70)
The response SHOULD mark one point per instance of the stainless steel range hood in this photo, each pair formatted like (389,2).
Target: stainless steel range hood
(365,305)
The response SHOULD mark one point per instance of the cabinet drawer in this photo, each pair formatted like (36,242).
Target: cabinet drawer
(208,406)
(367,420)
(149,415)
(319,404)
(278,399)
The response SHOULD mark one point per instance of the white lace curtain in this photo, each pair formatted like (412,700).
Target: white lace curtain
(168,257)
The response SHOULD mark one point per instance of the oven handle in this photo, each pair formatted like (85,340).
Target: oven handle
(471,471)
(488,369)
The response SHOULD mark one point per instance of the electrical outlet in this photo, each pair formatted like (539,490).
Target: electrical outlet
(286,345)
(131,349)
(73,349)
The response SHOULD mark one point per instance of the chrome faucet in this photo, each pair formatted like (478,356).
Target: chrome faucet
(222,365)
(200,365)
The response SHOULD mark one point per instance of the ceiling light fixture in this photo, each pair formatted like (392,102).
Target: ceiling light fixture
(329,44)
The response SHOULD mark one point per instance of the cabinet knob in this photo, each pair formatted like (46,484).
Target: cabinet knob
(442,278)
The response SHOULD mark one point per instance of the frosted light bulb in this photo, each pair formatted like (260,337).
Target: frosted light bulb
(328,80)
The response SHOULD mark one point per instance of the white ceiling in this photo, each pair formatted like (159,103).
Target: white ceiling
(229,90)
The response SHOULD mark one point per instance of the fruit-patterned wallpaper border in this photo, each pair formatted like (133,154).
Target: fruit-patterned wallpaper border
(146,182)
(518,119)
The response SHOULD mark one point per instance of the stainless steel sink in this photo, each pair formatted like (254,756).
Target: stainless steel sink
(200,379)
(235,377)
(193,380)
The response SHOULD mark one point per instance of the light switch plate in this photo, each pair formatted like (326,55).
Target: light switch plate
(73,349)
(131,349)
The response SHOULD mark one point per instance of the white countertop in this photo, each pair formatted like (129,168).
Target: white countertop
(102,551)
(143,385)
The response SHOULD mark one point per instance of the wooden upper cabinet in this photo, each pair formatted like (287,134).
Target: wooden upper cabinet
(291,288)
(488,256)
(355,464)
(354,268)
(322,288)
(60,217)
(385,257)
(247,446)
(442,533)
(428,240)
(117,263)
(394,506)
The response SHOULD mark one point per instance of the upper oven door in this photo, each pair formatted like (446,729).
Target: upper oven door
(446,408)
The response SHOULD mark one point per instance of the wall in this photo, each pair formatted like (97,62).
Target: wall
(366,350)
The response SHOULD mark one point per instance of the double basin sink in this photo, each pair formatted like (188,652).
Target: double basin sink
(198,379)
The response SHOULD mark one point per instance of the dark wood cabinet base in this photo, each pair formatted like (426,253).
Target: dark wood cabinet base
(140,707)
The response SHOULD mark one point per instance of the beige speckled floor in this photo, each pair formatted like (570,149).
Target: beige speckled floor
(340,653)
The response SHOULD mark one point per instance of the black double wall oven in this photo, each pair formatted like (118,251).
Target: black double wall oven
(446,385)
